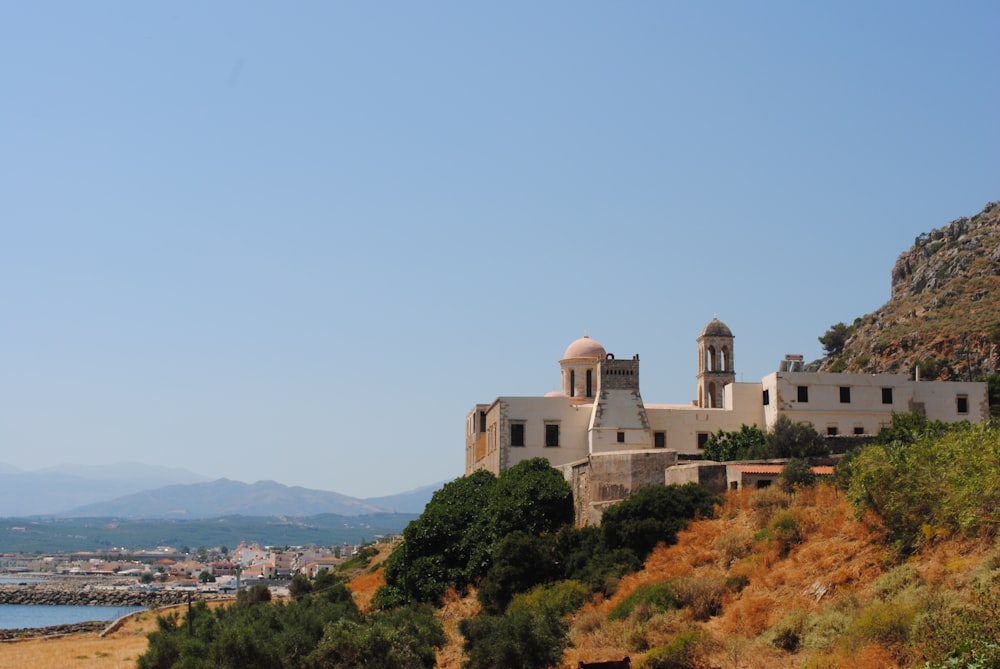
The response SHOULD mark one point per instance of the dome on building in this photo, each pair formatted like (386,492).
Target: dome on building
(716,329)
(555,393)
(585,347)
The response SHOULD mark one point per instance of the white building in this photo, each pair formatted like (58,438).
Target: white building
(600,411)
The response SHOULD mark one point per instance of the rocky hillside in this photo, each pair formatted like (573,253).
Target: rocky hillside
(944,313)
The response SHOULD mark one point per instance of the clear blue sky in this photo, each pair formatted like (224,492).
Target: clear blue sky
(298,241)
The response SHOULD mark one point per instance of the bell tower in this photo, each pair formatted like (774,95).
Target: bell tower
(715,364)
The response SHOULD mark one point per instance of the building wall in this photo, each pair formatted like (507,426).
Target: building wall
(866,410)
(684,423)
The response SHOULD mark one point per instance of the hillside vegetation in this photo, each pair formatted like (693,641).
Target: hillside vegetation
(892,564)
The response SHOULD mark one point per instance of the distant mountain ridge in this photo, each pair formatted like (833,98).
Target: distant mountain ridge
(225,497)
(55,489)
(132,490)
(944,312)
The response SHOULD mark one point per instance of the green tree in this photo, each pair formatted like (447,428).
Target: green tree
(653,515)
(300,586)
(834,339)
(797,473)
(749,443)
(206,577)
(795,440)
(526,638)
(451,544)
(521,560)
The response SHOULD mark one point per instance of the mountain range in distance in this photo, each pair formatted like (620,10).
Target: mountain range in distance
(133,490)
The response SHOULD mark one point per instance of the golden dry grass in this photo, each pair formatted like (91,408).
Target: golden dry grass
(119,650)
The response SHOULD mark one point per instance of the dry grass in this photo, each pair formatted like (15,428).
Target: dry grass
(363,588)
(119,650)
(455,609)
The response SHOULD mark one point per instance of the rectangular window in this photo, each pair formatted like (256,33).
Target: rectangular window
(572,383)
(659,440)
(590,383)
(859,430)
(517,434)
(767,397)
(845,394)
(803,393)
(887,396)
(832,431)
(702,439)
(552,434)
(482,421)
(621,437)
(963,403)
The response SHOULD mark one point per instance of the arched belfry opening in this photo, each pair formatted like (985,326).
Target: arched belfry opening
(715,364)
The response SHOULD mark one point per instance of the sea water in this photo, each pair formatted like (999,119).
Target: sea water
(20,616)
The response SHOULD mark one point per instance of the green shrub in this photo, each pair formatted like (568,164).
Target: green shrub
(683,652)
(797,473)
(788,633)
(653,515)
(734,545)
(701,595)
(940,484)
(561,598)
(522,639)
(766,502)
(884,622)
(655,595)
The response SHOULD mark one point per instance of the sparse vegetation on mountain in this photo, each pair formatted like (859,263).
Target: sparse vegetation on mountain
(942,316)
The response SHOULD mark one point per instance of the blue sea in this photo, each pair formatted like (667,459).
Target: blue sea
(19,616)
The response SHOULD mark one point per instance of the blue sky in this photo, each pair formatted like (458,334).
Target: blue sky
(299,241)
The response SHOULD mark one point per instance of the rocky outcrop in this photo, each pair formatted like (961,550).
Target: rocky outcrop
(944,312)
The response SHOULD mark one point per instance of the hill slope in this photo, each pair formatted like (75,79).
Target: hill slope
(944,312)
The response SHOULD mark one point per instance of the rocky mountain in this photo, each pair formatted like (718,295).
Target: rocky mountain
(944,312)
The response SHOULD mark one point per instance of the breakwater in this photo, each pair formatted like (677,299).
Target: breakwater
(69,593)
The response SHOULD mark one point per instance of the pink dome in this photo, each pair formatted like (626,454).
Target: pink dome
(555,393)
(585,347)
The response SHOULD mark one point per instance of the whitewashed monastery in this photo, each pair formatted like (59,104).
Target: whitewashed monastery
(608,441)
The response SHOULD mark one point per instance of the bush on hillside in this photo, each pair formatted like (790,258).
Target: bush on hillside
(453,541)
(654,515)
(939,485)
(522,639)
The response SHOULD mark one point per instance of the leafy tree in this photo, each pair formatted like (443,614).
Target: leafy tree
(523,639)
(797,473)
(520,561)
(750,443)
(834,339)
(300,586)
(938,485)
(451,544)
(206,577)
(531,497)
(907,428)
(435,551)
(585,556)
(257,594)
(795,440)
(653,515)
(400,639)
